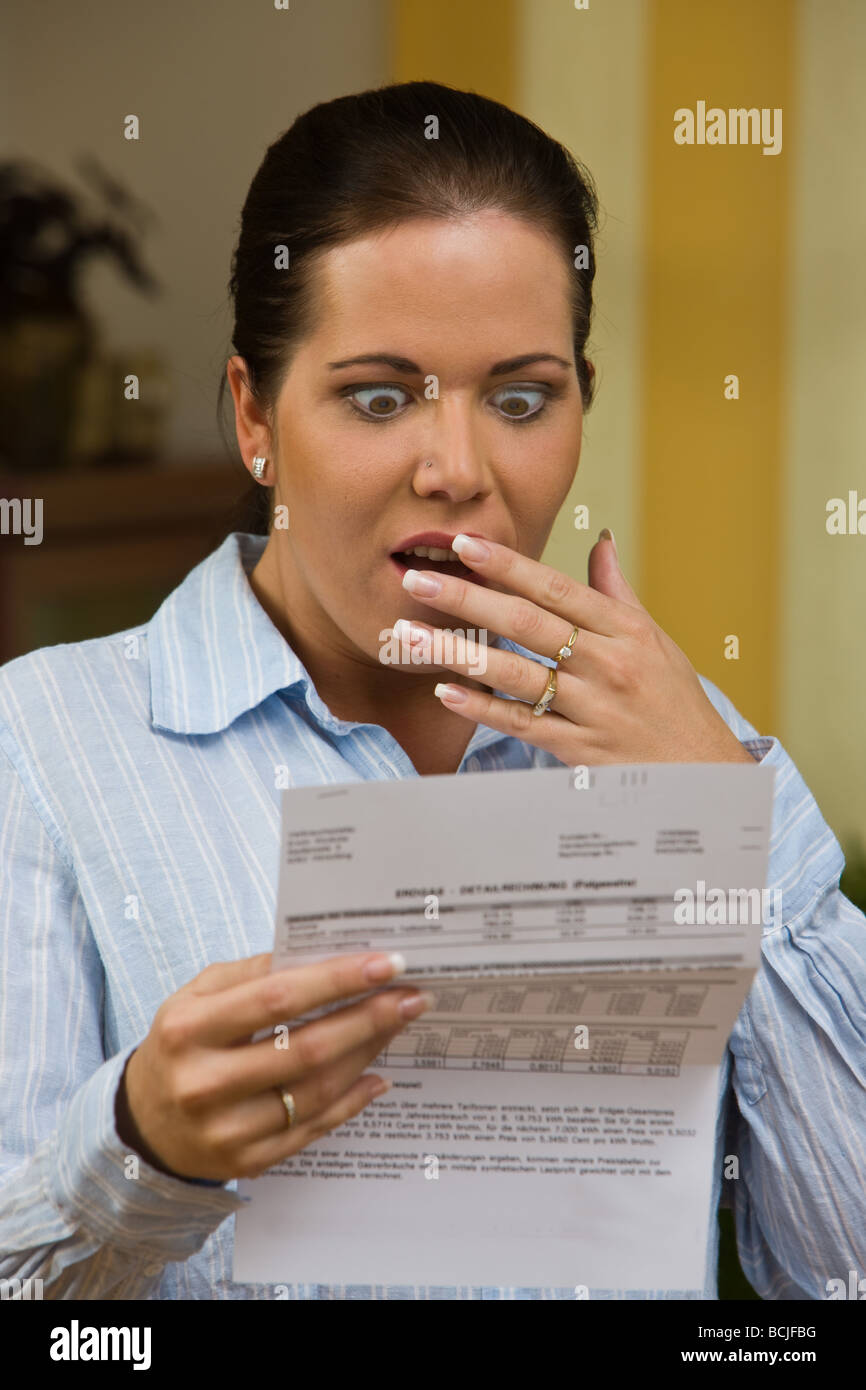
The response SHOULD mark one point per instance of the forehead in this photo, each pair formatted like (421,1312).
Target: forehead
(487,275)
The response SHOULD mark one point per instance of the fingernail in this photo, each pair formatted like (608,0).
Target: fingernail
(421,583)
(411,1008)
(607,535)
(450,694)
(386,967)
(380,1088)
(414,635)
(470,547)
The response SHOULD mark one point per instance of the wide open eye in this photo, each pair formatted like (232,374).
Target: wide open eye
(379,405)
(515,405)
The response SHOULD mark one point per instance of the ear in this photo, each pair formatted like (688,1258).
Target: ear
(251,425)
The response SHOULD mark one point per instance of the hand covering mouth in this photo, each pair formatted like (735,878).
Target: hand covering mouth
(406,560)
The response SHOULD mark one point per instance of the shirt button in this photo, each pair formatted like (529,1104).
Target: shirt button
(473,764)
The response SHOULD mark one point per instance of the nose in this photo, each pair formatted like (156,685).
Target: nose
(455,444)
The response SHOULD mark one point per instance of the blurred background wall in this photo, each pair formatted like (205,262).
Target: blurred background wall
(712,261)
(213,85)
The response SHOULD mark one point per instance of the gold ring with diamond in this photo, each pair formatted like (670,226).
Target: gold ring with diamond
(565,651)
(549,692)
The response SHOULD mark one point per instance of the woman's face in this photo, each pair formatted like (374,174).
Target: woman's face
(453,303)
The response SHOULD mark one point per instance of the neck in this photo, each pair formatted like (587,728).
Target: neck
(357,689)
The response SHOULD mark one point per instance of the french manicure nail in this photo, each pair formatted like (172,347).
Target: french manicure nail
(417,583)
(450,694)
(411,633)
(470,548)
(386,967)
(418,1004)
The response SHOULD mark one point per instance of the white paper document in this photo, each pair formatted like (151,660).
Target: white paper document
(552,1119)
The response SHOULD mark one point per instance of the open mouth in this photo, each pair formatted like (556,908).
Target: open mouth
(404,561)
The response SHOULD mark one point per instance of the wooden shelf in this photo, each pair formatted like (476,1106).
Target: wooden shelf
(115,543)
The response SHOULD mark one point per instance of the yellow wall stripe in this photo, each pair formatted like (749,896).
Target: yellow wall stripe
(464,43)
(715,267)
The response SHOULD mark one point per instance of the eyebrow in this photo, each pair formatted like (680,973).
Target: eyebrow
(403,364)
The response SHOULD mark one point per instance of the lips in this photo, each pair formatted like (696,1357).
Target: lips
(440,540)
(421,562)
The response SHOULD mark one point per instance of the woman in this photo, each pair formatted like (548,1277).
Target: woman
(411,318)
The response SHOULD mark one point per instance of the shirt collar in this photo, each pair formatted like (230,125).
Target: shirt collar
(215,654)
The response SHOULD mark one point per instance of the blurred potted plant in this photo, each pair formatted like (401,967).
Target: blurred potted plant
(47,336)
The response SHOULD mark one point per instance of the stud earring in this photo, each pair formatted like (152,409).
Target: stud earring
(258,467)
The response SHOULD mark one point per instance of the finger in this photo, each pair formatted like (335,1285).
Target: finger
(549,730)
(236,1013)
(498,668)
(263,1115)
(537,591)
(221,974)
(315,1045)
(269,1152)
(604,573)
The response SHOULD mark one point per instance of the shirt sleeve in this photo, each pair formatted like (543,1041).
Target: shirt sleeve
(797,1116)
(77,1210)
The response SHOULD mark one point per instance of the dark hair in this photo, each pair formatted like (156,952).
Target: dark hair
(363,162)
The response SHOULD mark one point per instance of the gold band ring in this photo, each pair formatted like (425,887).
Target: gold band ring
(289,1102)
(549,692)
(565,651)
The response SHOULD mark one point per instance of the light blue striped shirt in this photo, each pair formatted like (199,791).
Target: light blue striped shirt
(139,825)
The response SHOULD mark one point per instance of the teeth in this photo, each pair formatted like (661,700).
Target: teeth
(431,552)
